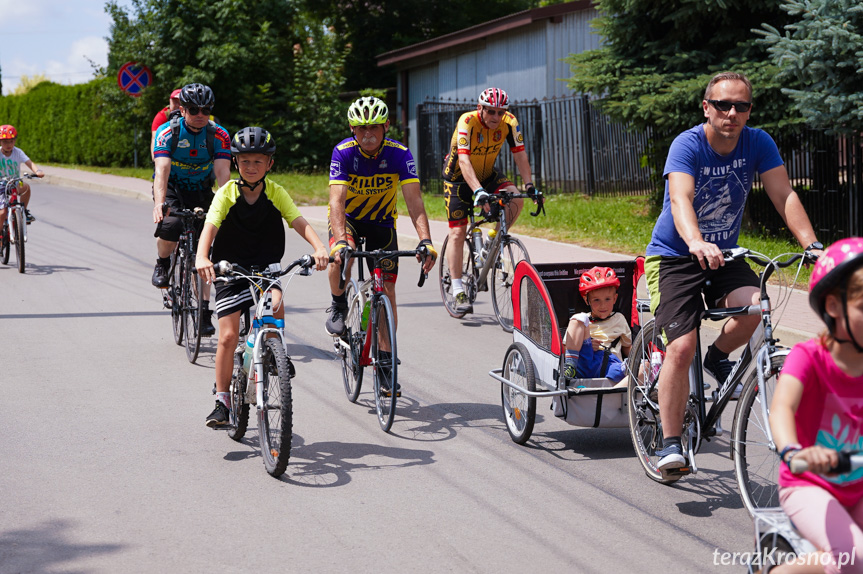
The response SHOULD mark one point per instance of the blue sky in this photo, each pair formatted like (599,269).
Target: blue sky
(52,37)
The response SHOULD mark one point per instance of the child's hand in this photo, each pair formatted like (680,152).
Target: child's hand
(820,459)
(596,344)
(322,258)
(205,269)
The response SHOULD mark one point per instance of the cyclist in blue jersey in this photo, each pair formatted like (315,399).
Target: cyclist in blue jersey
(190,154)
(708,175)
(365,174)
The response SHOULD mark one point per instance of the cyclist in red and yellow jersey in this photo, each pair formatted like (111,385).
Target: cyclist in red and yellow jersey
(470,177)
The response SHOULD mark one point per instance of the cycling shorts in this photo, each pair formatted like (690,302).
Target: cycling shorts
(170,228)
(235,297)
(377,237)
(458,196)
(679,288)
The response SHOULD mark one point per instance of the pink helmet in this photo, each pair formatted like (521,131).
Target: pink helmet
(8,132)
(832,270)
(494,98)
(597,278)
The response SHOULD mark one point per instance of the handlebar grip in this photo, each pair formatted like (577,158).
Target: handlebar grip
(844,465)
(223,267)
(798,466)
(422,278)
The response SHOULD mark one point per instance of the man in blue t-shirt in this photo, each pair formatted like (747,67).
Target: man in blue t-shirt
(185,171)
(708,175)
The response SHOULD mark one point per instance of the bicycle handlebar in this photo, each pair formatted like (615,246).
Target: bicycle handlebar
(848,461)
(348,253)
(229,271)
(195,213)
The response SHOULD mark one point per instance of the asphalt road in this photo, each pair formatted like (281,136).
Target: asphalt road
(106,464)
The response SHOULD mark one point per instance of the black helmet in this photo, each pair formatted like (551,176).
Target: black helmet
(253,140)
(197,95)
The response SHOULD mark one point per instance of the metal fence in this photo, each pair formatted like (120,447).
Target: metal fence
(571,147)
(827,173)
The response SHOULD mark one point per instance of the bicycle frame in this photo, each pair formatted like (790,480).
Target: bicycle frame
(263,316)
(15,204)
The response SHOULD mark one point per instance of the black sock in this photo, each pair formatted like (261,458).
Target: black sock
(165,260)
(340,300)
(670,440)
(714,355)
(205,305)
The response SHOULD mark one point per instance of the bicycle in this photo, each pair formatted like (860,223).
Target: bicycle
(183,294)
(15,226)
(261,352)
(369,331)
(503,253)
(756,369)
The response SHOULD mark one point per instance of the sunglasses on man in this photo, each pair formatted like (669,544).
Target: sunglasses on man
(492,112)
(195,110)
(725,105)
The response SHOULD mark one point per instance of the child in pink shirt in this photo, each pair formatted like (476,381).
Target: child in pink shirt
(817,411)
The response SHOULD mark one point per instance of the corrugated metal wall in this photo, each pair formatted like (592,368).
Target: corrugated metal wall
(571,36)
(525,62)
(422,86)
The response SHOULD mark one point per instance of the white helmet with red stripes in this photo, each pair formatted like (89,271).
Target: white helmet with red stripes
(494,98)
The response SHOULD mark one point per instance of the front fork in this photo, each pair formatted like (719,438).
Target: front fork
(257,370)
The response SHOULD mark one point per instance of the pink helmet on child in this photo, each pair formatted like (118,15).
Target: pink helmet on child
(8,132)
(831,271)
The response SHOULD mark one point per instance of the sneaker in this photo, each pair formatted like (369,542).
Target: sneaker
(207,329)
(720,370)
(569,371)
(385,387)
(160,275)
(462,303)
(219,416)
(336,321)
(672,461)
(29,216)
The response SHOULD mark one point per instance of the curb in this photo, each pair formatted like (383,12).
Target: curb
(93,186)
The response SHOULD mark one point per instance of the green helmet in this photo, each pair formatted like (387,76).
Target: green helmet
(368,111)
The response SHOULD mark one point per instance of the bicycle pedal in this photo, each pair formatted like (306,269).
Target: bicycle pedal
(675,473)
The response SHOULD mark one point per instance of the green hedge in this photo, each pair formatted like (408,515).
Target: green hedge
(72,124)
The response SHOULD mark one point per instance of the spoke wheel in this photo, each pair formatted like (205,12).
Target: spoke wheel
(275,415)
(445,279)
(239,419)
(755,462)
(351,344)
(192,312)
(175,288)
(519,410)
(645,426)
(385,366)
(19,223)
(502,276)
(5,245)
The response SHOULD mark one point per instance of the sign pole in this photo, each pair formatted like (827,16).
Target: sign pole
(136,147)
(134,79)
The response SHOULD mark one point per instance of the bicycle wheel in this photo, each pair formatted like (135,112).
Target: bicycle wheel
(193,312)
(511,252)
(386,367)
(468,278)
(275,415)
(519,410)
(645,426)
(5,245)
(756,465)
(351,344)
(239,419)
(176,294)
(19,223)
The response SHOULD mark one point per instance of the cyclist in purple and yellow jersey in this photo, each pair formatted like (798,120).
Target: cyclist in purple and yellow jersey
(365,174)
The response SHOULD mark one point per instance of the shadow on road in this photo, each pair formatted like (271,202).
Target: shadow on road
(32,269)
(84,315)
(714,489)
(45,548)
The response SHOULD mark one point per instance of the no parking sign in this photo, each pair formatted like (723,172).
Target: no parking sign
(134,78)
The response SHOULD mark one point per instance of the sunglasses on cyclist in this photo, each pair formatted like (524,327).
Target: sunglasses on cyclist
(195,110)
(492,112)
(724,105)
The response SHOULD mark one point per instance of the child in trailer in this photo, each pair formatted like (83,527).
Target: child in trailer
(817,410)
(591,337)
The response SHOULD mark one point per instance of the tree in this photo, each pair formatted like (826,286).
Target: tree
(371,27)
(244,50)
(822,53)
(657,58)
(27,83)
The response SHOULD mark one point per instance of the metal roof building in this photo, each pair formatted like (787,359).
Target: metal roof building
(520,53)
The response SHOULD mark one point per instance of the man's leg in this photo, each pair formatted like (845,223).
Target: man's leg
(673,394)
(164,249)
(513,209)
(336,321)
(735,333)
